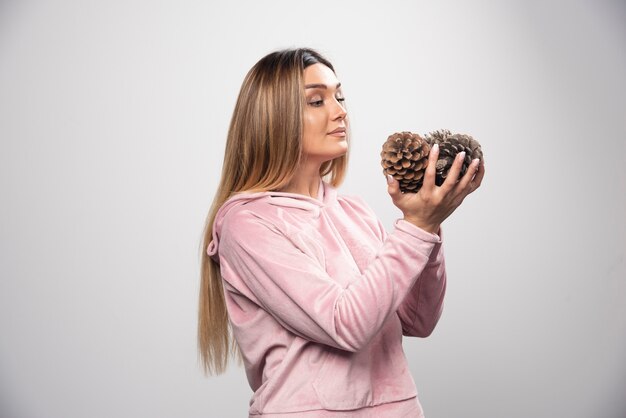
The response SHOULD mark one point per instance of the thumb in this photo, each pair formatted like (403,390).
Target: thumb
(393,187)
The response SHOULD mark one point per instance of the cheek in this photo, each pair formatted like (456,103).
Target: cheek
(314,123)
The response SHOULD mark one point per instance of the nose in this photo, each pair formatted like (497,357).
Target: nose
(340,111)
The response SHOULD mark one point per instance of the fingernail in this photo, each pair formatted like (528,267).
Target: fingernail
(389,179)
(436,147)
(475,162)
(461,155)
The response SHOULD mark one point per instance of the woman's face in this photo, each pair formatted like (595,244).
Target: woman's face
(323,114)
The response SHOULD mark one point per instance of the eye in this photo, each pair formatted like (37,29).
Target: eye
(318,103)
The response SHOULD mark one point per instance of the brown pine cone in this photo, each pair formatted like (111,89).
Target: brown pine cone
(449,146)
(437,137)
(405,157)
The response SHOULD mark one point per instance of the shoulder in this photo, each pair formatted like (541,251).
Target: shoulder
(248,231)
(247,219)
(245,231)
(261,219)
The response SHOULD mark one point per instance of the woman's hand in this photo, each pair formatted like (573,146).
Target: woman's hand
(428,208)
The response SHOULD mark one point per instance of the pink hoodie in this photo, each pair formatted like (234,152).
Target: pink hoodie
(319,297)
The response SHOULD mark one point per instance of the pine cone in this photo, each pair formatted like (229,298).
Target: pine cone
(449,146)
(405,157)
(437,137)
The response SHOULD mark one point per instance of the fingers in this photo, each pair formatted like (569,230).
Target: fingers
(393,187)
(475,183)
(429,175)
(453,174)
(467,178)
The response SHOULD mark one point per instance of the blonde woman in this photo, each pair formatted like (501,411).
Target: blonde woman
(316,293)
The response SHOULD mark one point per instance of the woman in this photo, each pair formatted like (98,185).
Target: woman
(317,294)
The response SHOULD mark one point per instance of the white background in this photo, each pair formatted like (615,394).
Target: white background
(113,120)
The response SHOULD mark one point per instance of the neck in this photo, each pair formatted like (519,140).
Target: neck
(306,181)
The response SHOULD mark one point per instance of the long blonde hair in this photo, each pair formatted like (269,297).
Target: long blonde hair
(263,152)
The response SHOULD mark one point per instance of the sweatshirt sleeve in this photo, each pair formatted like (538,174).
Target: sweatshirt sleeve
(420,311)
(261,262)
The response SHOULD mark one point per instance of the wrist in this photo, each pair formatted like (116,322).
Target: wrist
(431,228)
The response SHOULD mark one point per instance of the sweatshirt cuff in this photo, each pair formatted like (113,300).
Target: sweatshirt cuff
(416,231)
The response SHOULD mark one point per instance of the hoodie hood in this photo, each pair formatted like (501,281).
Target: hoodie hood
(326,196)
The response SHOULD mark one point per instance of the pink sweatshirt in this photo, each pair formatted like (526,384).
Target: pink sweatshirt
(319,297)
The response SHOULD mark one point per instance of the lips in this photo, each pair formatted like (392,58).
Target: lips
(338,130)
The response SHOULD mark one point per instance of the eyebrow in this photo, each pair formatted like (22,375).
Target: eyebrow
(319,86)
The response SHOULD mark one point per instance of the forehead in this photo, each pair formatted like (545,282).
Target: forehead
(319,73)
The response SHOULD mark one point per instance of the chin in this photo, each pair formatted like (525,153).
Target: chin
(340,154)
(332,156)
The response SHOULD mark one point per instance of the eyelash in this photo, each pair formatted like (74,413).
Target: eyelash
(342,99)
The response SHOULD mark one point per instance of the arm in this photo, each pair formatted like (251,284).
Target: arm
(292,286)
(420,311)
